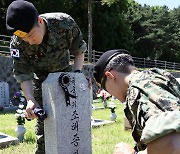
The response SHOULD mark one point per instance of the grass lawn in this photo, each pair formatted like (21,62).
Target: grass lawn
(103,138)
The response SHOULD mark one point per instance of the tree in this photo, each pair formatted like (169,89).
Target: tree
(3,7)
(110,28)
(155,30)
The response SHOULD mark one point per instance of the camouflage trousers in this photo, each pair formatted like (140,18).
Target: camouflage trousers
(39,128)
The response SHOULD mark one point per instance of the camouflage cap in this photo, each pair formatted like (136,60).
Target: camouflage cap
(104,60)
(21,17)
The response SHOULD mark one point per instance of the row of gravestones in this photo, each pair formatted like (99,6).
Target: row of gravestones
(68,102)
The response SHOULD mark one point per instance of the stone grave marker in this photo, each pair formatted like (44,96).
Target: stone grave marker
(4,94)
(6,140)
(99,122)
(68,102)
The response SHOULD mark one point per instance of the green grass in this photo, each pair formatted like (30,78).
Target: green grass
(8,125)
(104,138)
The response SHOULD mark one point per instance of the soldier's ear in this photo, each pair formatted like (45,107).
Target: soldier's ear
(40,20)
(109,74)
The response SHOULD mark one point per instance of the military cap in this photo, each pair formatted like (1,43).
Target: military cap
(103,61)
(21,17)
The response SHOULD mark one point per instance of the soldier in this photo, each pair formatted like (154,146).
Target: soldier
(41,44)
(152,102)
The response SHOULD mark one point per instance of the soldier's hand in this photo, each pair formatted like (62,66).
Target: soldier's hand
(29,110)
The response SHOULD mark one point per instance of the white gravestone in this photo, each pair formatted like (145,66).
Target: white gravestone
(68,125)
(4,94)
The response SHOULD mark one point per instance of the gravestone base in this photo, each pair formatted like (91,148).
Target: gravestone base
(6,140)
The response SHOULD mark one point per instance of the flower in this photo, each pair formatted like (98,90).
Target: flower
(20,114)
(17,94)
(21,101)
(104,95)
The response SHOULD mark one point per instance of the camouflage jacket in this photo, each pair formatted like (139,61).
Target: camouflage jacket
(63,37)
(150,92)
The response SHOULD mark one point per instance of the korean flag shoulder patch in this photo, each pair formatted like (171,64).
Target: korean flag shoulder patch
(14,53)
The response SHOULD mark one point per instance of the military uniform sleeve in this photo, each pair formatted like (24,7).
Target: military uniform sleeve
(151,100)
(21,68)
(77,45)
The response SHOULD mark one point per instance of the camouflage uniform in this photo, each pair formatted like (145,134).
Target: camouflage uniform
(152,105)
(63,37)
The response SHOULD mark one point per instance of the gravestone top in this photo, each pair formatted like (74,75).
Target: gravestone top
(67,101)
(4,94)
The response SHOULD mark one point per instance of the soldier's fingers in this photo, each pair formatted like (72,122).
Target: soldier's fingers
(34,116)
(30,114)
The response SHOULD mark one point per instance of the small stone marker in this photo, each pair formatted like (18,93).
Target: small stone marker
(100,122)
(6,140)
(4,94)
(67,101)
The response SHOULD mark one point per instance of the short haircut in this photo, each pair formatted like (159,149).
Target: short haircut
(36,24)
(120,63)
